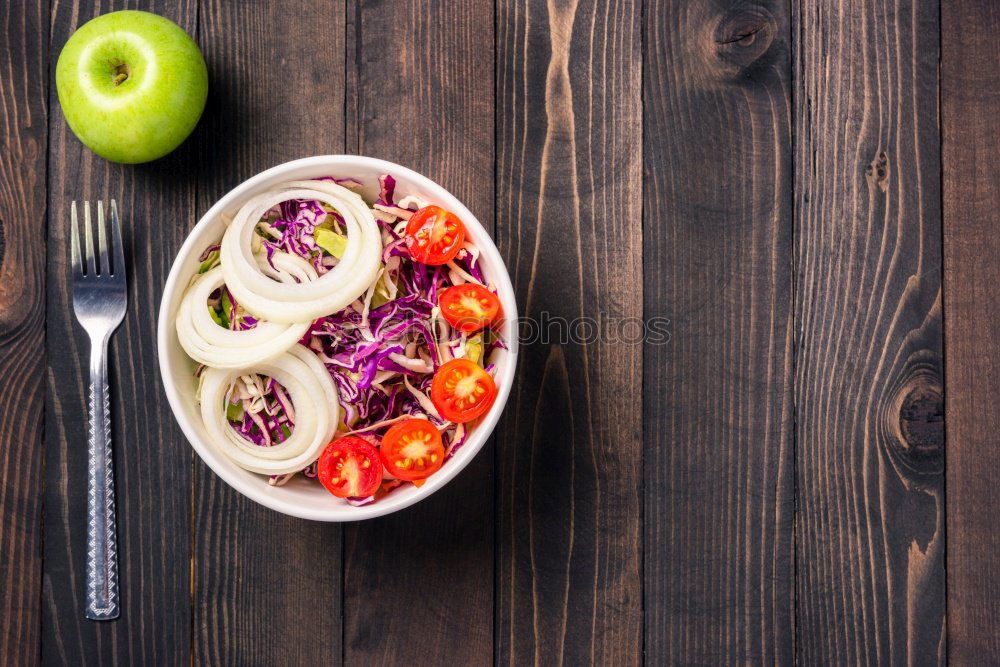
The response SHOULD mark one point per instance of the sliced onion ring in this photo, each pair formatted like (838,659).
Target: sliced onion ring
(266,298)
(313,395)
(208,343)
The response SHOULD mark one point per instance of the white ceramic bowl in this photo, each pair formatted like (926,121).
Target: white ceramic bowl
(301,497)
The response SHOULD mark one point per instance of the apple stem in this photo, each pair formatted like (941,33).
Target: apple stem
(121,74)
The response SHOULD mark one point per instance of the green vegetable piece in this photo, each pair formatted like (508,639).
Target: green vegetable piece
(379,298)
(210,262)
(227,309)
(331,241)
(474,349)
(215,316)
(234,412)
(381,295)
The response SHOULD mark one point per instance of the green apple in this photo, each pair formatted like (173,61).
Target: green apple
(132,85)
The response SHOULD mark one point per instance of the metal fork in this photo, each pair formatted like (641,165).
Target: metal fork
(99,300)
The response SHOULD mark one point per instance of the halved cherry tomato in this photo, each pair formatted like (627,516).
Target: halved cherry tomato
(412,449)
(434,235)
(462,391)
(469,307)
(349,467)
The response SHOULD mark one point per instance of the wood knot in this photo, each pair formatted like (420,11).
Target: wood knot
(921,421)
(744,37)
(31,150)
(877,172)
(915,424)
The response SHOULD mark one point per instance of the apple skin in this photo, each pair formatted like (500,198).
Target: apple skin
(132,85)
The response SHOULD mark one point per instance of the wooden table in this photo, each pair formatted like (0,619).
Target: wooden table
(806,191)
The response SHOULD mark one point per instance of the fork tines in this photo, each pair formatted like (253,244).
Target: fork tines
(107,266)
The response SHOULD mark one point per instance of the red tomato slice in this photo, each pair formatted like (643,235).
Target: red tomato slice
(412,449)
(434,235)
(462,391)
(469,307)
(349,467)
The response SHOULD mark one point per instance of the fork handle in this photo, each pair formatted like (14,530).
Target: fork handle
(102,545)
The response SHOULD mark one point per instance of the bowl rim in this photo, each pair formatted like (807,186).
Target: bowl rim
(263,493)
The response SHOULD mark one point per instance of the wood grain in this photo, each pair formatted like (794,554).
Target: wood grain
(23,137)
(869,397)
(267,587)
(759,181)
(152,460)
(970,97)
(418,585)
(569,450)
(718,395)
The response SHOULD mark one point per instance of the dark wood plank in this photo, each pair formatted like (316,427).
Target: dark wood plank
(569,450)
(718,403)
(970,97)
(418,585)
(266,586)
(23,135)
(152,462)
(869,420)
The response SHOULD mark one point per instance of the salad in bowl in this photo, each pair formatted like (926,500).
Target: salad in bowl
(336,337)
